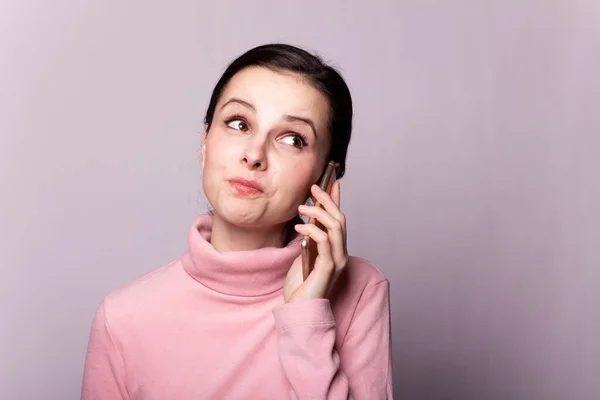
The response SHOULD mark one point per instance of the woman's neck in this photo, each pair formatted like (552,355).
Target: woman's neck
(228,237)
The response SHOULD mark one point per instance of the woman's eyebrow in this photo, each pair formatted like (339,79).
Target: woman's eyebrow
(293,118)
(239,101)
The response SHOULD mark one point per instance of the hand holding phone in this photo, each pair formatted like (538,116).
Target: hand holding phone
(309,246)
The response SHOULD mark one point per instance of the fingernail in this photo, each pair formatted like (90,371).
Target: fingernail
(302,207)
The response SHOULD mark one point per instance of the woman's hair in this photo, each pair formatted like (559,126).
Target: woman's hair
(287,58)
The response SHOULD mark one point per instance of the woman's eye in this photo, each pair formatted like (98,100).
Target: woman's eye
(294,140)
(238,124)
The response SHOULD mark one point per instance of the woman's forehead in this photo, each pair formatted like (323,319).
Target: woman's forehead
(284,91)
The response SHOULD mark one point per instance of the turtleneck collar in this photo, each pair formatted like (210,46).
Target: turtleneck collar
(240,273)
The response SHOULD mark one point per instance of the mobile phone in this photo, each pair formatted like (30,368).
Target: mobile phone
(309,246)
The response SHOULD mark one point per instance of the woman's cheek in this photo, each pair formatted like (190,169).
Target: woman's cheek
(302,186)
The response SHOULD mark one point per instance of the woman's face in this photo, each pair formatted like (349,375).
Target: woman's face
(267,144)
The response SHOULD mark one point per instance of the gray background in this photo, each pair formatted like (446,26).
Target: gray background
(470,176)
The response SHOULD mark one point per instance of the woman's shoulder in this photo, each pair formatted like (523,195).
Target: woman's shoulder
(364,272)
(145,292)
(360,276)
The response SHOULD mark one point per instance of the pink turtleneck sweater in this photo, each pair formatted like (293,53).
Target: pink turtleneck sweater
(214,325)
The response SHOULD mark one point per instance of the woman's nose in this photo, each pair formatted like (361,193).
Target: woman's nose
(254,154)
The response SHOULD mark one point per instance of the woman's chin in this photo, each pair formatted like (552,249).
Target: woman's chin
(249,215)
(242,215)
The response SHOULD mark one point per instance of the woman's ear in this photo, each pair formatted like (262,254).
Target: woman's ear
(203,150)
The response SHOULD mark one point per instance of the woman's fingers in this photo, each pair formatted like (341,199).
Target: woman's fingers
(335,232)
(331,242)
(321,215)
(327,202)
(325,262)
(336,197)
(335,193)
(331,205)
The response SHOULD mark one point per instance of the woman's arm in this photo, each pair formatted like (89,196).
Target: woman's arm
(362,369)
(104,371)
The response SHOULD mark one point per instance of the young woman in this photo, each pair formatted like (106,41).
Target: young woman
(233,318)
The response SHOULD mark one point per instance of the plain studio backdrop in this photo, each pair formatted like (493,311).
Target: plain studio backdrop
(472,176)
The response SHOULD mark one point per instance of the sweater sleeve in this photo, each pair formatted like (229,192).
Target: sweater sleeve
(362,369)
(104,371)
